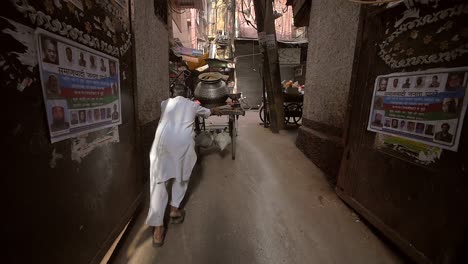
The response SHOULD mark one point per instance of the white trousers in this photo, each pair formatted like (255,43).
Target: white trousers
(158,200)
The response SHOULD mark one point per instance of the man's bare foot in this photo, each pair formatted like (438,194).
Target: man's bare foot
(158,236)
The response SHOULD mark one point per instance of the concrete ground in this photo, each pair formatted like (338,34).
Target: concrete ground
(270,205)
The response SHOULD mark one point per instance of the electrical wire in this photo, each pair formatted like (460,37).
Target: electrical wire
(173,9)
(371,2)
(246,20)
(285,10)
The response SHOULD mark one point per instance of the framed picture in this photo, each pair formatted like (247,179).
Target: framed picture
(298,71)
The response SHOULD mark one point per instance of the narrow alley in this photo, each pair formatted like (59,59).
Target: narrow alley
(252,210)
(234,131)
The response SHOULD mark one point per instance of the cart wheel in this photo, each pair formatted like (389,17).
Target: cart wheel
(299,116)
(294,111)
(297,119)
(287,114)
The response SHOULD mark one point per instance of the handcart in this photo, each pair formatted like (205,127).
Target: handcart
(292,109)
(233,113)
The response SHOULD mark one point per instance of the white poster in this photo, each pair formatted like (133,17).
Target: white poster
(424,106)
(81,87)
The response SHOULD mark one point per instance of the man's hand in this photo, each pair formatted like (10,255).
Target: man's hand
(216,111)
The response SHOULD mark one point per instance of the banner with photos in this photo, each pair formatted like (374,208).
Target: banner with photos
(81,87)
(425,106)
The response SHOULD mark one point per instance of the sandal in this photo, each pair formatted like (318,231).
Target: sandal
(177,218)
(156,242)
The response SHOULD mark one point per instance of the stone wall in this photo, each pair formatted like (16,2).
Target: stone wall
(332,37)
(152,71)
(152,61)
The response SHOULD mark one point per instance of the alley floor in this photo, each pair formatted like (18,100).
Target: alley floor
(271,205)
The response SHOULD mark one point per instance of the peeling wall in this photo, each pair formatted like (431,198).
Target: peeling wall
(152,61)
(332,37)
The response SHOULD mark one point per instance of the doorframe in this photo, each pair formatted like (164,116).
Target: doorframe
(137,203)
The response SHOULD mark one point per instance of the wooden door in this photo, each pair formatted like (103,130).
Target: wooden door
(422,208)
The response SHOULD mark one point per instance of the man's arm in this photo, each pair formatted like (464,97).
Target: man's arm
(215,111)
(202,111)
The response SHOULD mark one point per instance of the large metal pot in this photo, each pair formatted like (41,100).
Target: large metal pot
(211,91)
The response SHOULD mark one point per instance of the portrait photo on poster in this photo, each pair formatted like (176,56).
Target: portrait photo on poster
(394,83)
(49,51)
(383,82)
(420,128)
(411,125)
(450,105)
(52,85)
(435,81)
(69,55)
(429,130)
(80,86)
(420,82)
(378,103)
(424,106)
(445,131)
(455,81)
(403,125)
(57,116)
(394,123)
(377,118)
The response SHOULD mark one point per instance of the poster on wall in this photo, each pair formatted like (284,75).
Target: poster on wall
(424,106)
(81,87)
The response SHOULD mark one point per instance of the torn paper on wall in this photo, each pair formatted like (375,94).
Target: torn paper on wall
(24,35)
(408,150)
(54,158)
(82,146)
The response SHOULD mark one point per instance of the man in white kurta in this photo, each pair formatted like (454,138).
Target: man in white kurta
(172,156)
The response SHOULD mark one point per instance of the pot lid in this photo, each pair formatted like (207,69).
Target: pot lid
(210,76)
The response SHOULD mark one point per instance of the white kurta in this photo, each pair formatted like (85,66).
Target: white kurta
(173,151)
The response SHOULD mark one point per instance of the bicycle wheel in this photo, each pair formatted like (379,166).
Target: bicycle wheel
(245,104)
(261,114)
